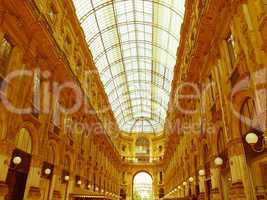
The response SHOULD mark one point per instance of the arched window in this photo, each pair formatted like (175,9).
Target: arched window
(206,153)
(160,177)
(122,194)
(78,167)
(160,149)
(66,163)
(50,155)
(5,53)
(78,68)
(142,146)
(123,177)
(247,113)
(23,141)
(221,144)
(2,130)
(94,181)
(161,192)
(206,159)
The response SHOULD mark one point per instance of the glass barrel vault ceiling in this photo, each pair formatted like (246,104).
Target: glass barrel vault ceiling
(134,45)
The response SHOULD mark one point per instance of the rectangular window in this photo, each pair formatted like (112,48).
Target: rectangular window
(52,13)
(211,88)
(68,43)
(5,52)
(160,178)
(56,115)
(36,93)
(231,49)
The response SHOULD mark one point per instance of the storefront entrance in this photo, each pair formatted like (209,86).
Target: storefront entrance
(17,175)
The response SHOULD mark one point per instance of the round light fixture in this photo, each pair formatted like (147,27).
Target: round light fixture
(17,160)
(218,161)
(66,178)
(47,171)
(79,182)
(88,186)
(201,172)
(184,183)
(191,179)
(179,187)
(252,138)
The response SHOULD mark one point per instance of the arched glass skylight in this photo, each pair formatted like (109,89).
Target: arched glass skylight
(134,45)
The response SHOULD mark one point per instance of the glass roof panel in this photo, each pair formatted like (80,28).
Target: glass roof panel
(134,44)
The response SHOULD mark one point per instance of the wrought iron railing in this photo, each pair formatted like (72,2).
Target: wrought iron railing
(141,159)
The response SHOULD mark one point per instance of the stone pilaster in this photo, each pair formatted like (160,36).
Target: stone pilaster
(242,186)
(202,184)
(201,195)
(263,32)
(215,177)
(4,161)
(186,191)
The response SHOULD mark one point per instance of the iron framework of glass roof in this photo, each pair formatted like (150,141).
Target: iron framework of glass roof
(134,45)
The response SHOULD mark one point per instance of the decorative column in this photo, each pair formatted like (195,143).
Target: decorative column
(54,193)
(263,32)
(201,195)
(240,178)
(32,191)
(5,156)
(1,33)
(129,192)
(215,177)
(186,190)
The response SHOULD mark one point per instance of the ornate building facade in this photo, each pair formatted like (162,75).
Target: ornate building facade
(61,137)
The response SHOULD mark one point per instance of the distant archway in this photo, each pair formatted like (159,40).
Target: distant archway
(142,186)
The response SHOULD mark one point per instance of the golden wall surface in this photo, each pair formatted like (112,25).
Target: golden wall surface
(222,64)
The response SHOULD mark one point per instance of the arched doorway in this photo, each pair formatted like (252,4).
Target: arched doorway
(256,159)
(142,186)
(19,165)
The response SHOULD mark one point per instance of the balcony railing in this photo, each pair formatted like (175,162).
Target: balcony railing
(142,159)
